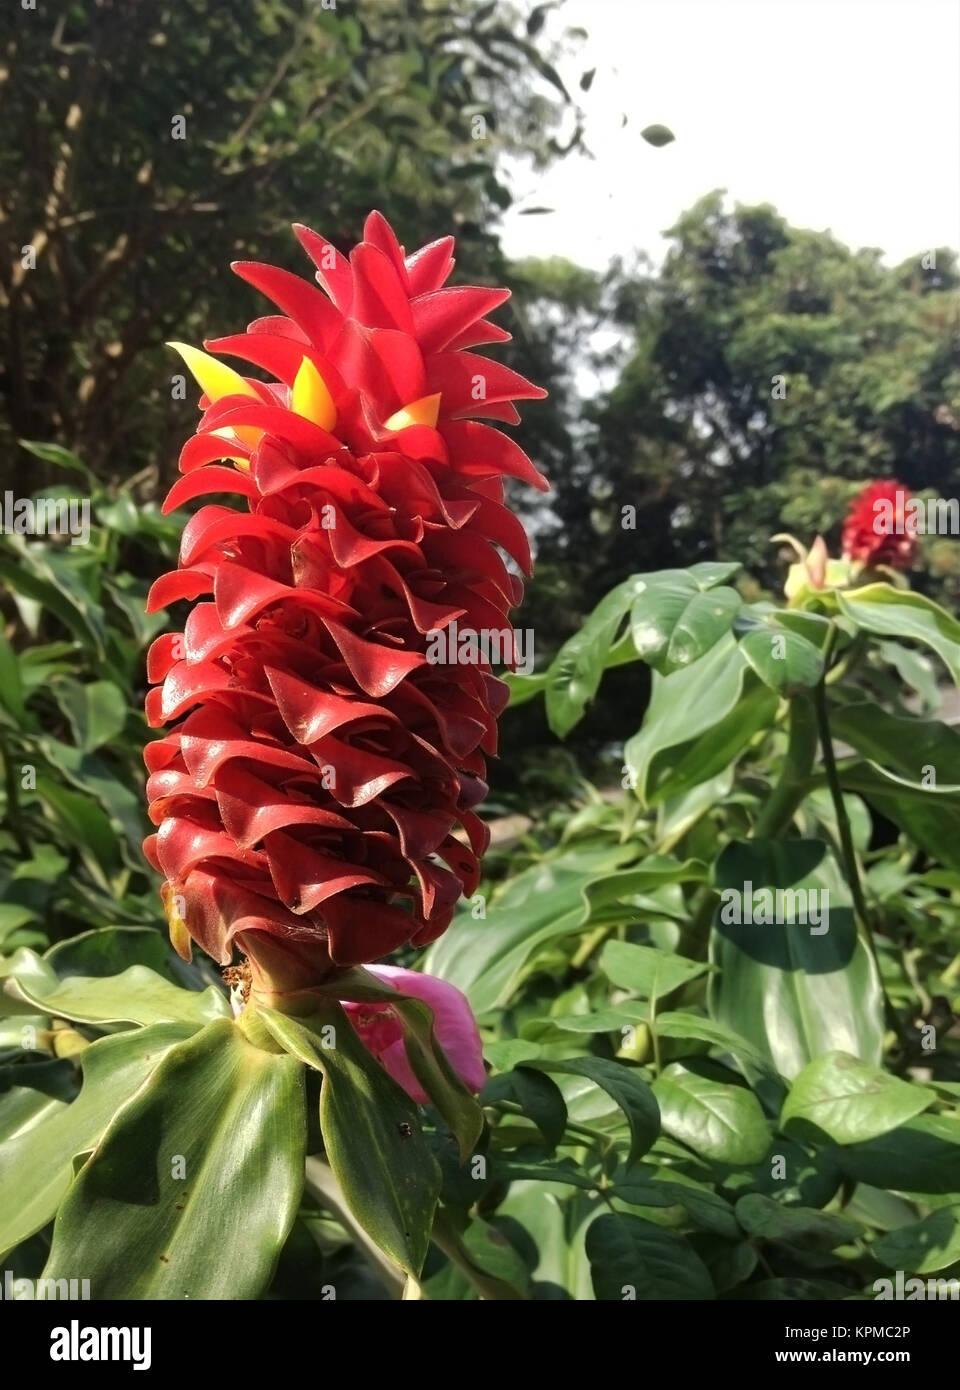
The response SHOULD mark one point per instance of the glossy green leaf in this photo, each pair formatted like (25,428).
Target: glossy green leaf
(784,660)
(574,673)
(647,971)
(714,1118)
(922,1156)
(769,1220)
(907,616)
(700,718)
(791,992)
(922,1247)
(136,995)
(678,615)
(432,1068)
(633,1259)
(96,711)
(36,1166)
(485,957)
(195,1184)
(626,1087)
(848,1101)
(371,1133)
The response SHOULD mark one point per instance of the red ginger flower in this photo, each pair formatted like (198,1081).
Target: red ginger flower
(307,797)
(877,529)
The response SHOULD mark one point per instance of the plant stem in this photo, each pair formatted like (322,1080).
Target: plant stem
(848,851)
(794,782)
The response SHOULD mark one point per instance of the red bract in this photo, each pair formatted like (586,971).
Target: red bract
(307,797)
(878,529)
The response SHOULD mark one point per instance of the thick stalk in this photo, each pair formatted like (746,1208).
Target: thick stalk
(794,782)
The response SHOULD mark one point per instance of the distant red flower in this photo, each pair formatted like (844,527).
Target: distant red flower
(307,797)
(878,529)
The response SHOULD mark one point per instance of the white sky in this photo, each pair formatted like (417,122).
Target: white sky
(845,114)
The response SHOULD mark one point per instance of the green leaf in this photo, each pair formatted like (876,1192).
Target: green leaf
(667,1188)
(626,1087)
(848,1101)
(194,1186)
(646,970)
(922,1156)
(137,995)
(700,718)
(542,1102)
(907,616)
(97,711)
(509,1053)
(718,1120)
(485,958)
(769,1220)
(793,994)
(36,1166)
(432,1068)
(923,1246)
(679,615)
(784,660)
(574,674)
(55,453)
(371,1133)
(632,1258)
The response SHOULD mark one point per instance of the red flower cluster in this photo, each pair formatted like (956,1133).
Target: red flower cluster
(306,798)
(879,529)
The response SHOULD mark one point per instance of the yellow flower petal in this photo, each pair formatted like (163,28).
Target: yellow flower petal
(421,412)
(214,378)
(311,398)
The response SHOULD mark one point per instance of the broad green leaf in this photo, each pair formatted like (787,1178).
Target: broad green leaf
(32,1092)
(485,958)
(509,1053)
(626,1087)
(110,950)
(541,1101)
(647,971)
(56,453)
(643,1187)
(906,616)
(432,1068)
(700,718)
(792,992)
(96,711)
(137,995)
(915,670)
(769,1220)
(677,617)
(849,1101)
(923,1246)
(36,1167)
(371,1133)
(922,1156)
(784,660)
(193,1188)
(574,674)
(632,1259)
(716,1119)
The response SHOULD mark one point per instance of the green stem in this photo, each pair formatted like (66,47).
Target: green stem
(847,848)
(794,782)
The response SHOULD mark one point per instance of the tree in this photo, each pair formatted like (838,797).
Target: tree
(147,146)
(772,371)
